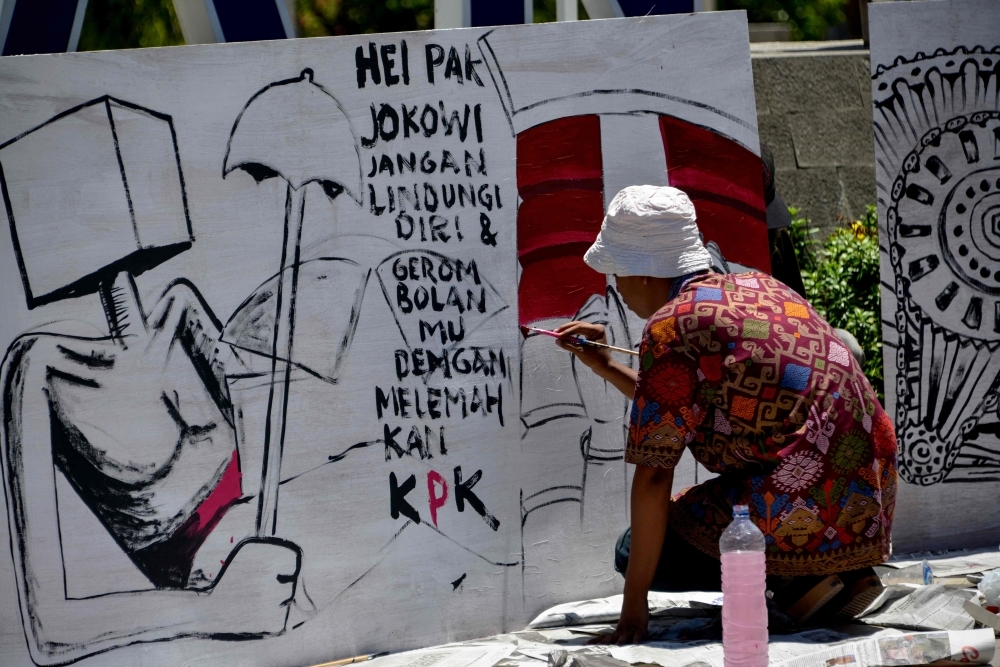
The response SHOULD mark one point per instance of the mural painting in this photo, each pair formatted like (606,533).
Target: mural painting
(935,75)
(264,397)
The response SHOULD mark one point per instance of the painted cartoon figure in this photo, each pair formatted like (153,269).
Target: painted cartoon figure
(166,481)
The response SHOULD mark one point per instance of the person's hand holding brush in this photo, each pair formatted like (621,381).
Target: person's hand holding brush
(597,359)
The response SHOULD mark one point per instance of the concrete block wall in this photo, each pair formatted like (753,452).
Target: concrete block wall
(814,111)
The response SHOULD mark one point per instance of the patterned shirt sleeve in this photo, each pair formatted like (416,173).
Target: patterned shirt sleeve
(664,414)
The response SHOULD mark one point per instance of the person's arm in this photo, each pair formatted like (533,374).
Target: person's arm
(655,444)
(597,359)
(650,507)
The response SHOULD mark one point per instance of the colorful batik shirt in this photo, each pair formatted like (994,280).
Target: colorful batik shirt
(743,372)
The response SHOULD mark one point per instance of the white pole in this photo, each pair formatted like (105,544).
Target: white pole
(566,10)
(603,9)
(6,14)
(74,33)
(196,25)
(452,14)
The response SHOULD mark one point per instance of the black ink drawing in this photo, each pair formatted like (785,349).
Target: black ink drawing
(137,422)
(315,145)
(162,478)
(937,144)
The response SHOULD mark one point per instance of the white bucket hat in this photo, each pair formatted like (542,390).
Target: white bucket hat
(649,230)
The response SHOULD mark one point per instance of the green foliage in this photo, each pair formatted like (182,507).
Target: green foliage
(319,18)
(841,277)
(128,24)
(806,19)
(545,11)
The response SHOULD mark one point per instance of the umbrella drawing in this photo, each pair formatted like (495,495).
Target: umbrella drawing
(293,129)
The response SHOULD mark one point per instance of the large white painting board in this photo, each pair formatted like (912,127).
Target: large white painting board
(935,75)
(192,436)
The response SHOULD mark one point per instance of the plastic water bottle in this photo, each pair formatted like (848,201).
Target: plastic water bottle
(744,609)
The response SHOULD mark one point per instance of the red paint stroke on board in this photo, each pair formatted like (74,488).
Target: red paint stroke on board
(560,181)
(168,563)
(434,500)
(725,182)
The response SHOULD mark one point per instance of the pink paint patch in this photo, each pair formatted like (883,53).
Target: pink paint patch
(435,483)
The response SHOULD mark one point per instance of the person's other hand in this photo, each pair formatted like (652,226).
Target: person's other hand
(255,589)
(632,624)
(592,357)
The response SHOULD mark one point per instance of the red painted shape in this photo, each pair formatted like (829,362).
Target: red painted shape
(559,179)
(560,182)
(555,218)
(557,287)
(436,481)
(212,509)
(565,149)
(725,182)
(168,562)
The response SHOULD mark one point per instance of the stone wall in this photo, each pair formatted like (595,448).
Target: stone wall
(814,111)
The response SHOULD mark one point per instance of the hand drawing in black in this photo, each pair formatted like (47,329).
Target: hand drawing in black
(937,140)
(316,144)
(138,422)
(581,403)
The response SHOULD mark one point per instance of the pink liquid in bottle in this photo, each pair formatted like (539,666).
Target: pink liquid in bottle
(744,610)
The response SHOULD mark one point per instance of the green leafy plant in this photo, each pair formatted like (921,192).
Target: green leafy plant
(129,24)
(806,19)
(841,277)
(319,18)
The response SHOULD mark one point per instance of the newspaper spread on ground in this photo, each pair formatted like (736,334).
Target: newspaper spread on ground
(824,648)
(934,607)
(935,627)
(602,610)
(951,563)
(481,654)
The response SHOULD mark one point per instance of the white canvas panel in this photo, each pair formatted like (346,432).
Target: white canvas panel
(264,396)
(935,77)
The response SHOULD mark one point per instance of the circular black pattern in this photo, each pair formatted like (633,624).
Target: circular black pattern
(943,226)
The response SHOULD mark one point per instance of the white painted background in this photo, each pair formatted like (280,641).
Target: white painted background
(371,591)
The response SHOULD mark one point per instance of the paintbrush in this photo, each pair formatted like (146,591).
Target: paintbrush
(351,661)
(580,340)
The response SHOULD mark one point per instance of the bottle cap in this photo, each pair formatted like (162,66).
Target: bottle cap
(741,510)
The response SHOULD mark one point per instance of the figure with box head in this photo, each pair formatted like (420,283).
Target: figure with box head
(137,423)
